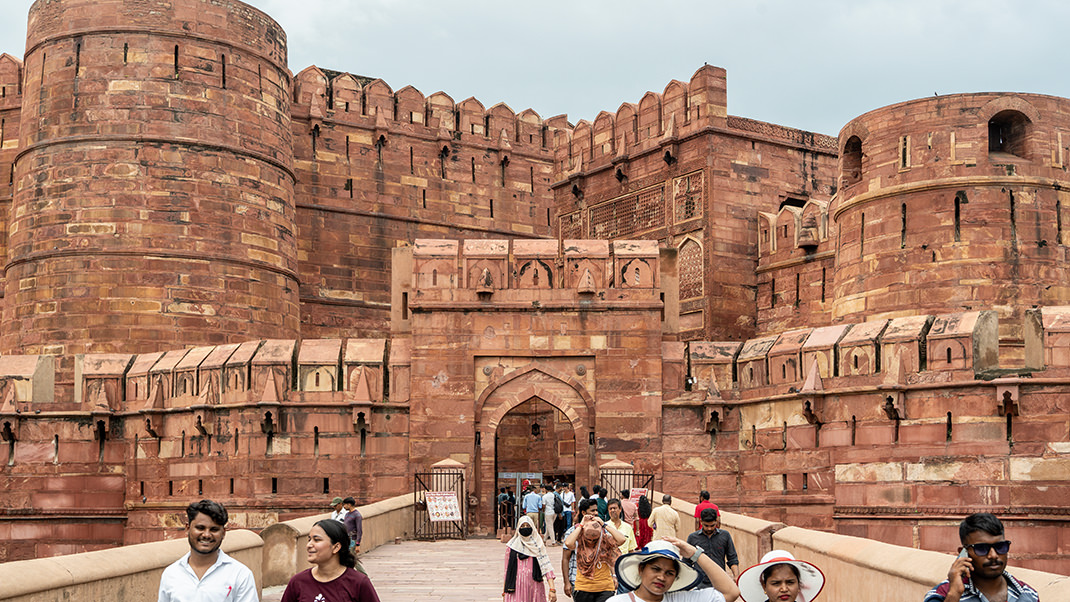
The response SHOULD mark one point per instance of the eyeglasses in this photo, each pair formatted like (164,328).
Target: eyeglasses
(981,549)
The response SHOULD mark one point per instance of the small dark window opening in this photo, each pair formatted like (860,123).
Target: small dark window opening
(232,485)
(405,306)
(948,435)
(274,484)
(412,162)
(200,486)
(77,59)
(491,205)
(960,200)
(862,237)
(316,442)
(423,193)
(170,488)
(1008,132)
(126,53)
(854,429)
(772,292)
(822,285)
(949,355)
(1059,222)
(326,485)
(796,291)
(903,226)
(473,169)
(223,70)
(176,61)
(852,161)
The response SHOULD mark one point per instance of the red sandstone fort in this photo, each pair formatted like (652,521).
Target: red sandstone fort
(225,280)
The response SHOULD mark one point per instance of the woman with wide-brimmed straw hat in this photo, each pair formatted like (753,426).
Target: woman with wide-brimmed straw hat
(779,577)
(659,573)
(528,572)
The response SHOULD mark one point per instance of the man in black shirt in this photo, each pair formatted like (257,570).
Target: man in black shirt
(715,543)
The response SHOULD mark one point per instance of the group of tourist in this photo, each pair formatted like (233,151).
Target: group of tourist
(599,561)
(603,560)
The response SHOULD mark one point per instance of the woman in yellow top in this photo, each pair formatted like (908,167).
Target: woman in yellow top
(616,512)
(596,549)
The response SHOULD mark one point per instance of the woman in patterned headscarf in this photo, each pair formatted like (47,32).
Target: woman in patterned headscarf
(528,571)
(596,547)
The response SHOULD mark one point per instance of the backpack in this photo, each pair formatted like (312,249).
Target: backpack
(559,504)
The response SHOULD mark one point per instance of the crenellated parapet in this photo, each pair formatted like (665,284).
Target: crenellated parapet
(372,106)
(656,123)
(901,351)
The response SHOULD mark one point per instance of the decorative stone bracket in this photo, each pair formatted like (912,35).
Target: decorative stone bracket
(813,409)
(1007,398)
(894,405)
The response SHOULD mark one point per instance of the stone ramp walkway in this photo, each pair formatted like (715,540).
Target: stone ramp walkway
(451,570)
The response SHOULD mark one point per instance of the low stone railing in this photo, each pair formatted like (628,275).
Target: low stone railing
(284,543)
(855,568)
(127,573)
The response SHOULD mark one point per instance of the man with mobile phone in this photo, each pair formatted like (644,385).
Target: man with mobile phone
(979,574)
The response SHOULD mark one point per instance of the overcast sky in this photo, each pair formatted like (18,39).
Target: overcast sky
(810,64)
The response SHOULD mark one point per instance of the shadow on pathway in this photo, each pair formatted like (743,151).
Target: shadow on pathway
(449,570)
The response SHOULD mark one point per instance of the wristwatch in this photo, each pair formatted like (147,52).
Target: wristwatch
(698,554)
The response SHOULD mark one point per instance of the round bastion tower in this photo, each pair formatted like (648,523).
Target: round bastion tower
(955,203)
(153,204)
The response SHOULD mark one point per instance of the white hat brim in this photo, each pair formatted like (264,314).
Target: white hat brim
(811,580)
(628,569)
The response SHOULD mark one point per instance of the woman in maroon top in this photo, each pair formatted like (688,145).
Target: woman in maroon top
(332,577)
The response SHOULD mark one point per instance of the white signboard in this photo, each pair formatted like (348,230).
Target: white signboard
(442,506)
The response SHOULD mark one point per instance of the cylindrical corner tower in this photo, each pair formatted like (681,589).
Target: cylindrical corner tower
(955,203)
(154,202)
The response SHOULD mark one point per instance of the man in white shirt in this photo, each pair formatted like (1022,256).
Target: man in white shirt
(206,573)
(569,498)
(548,513)
(339,513)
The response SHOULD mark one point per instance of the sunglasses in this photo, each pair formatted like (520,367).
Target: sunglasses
(982,549)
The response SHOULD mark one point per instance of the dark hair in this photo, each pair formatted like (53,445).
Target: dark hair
(585,504)
(502,490)
(654,557)
(708,515)
(644,507)
(980,521)
(583,491)
(616,502)
(704,495)
(769,570)
(337,534)
(213,510)
(666,499)
(350,501)
(625,493)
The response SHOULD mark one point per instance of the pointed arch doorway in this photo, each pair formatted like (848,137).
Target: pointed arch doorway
(547,411)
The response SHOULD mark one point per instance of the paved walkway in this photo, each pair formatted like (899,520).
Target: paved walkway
(469,571)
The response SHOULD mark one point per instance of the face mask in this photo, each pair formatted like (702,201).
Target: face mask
(525,531)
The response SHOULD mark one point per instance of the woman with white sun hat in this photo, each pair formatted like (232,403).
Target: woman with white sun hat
(779,577)
(659,573)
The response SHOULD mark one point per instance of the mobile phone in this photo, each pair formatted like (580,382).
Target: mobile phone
(962,554)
